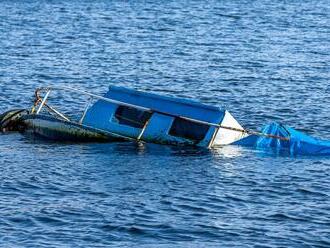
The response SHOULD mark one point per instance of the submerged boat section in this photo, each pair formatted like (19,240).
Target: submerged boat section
(129,115)
(49,127)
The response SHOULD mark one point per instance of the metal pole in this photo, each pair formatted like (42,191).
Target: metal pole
(43,102)
(57,112)
(86,108)
(143,129)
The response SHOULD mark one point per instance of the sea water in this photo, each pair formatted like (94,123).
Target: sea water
(264,61)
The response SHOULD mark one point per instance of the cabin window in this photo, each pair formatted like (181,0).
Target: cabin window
(132,117)
(188,129)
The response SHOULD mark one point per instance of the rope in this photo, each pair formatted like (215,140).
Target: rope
(256,133)
(36,101)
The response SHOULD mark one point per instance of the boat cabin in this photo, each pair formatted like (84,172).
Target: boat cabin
(155,118)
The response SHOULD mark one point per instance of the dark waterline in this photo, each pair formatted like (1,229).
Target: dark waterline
(263,60)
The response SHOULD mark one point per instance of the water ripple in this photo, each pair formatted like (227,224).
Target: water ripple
(263,60)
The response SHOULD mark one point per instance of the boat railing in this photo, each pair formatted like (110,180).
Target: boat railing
(42,101)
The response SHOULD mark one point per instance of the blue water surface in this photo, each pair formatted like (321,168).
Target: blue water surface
(262,60)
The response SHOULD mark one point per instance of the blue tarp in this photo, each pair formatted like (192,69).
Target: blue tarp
(298,143)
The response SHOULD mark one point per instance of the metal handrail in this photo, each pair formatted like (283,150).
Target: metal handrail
(92,95)
(123,104)
(48,89)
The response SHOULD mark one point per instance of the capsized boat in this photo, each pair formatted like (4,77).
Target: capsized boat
(129,115)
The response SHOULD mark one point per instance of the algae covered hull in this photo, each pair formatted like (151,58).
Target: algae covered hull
(52,128)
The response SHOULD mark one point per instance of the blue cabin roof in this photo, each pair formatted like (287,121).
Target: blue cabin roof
(165,104)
